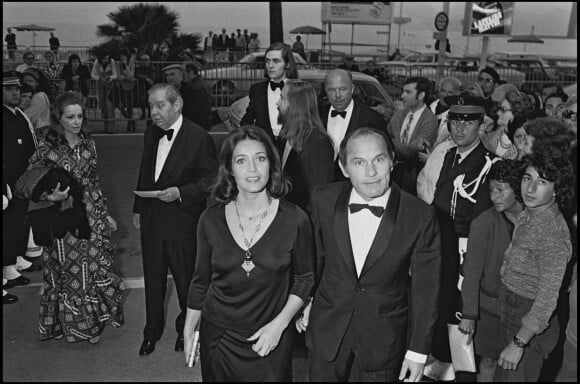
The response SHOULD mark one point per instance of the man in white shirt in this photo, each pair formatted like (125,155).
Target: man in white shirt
(371,238)
(178,165)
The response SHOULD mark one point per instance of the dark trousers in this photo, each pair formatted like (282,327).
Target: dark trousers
(158,255)
(346,364)
(14,231)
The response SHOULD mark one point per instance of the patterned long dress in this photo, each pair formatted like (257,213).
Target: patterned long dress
(82,291)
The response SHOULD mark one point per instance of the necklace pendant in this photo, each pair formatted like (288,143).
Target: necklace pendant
(248,265)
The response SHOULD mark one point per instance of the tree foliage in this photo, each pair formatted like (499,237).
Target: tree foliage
(147,29)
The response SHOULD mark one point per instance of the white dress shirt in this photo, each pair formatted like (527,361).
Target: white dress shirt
(337,126)
(165,146)
(416,117)
(362,227)
(273,98)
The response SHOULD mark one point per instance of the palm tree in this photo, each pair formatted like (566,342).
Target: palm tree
(148,28)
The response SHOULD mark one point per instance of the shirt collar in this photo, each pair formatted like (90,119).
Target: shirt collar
(380,201)
(463,155)
(418,112)
(176,127)
(347,109)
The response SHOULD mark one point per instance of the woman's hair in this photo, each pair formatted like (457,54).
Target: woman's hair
(301,118)
(25,88)
(549,133)
(287,56)
(55,134)
(125,52)
(72,57)
(520,103)
(225,188)
(554,167)
(41,79)
(509,172)
(472,88)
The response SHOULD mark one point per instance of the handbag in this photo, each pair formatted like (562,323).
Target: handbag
(462,354)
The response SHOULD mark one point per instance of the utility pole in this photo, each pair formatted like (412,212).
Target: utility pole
(276,29)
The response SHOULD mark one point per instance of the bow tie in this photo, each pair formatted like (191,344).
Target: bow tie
(334,112)
(162,132)
(375,210)
(274,85)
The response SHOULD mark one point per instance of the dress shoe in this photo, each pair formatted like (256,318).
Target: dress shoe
(179,344)
(9,299)
(147,346)
(20,280)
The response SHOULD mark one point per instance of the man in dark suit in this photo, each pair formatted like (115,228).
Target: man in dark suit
(18,144)
(264,96)
(413,130)
(375,243)
(343,115)
(179,162)
(196,105)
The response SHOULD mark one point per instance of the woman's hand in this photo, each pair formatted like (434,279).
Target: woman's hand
(467,326)
(510,357)
(267,338)
(302,321)
(57,194)
(191,322)
(112,223)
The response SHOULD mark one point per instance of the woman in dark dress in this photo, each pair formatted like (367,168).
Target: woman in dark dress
(254,267)
(308,156)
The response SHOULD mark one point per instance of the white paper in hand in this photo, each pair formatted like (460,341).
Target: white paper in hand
(152,194)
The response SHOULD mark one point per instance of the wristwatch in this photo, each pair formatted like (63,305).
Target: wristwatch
(519,342)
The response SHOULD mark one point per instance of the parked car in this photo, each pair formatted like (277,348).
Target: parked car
(367,89)
(234,81)
(536,69)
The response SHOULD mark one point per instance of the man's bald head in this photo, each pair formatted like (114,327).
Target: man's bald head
(339,88)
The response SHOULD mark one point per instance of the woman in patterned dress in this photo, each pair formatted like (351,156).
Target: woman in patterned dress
(82,291)
(52,72)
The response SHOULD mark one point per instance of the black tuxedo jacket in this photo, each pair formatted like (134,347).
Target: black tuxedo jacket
(191,166)
(257,112)
(407,243)
(362,116)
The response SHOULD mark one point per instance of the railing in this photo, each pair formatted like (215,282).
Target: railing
(64,52)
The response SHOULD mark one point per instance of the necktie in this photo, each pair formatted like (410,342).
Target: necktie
(334,113)
(375,210)
(162,132)
(456,160)
(274,85)
(405,133)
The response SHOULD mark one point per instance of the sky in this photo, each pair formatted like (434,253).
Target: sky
(76,22)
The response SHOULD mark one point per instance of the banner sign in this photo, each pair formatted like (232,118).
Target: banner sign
(489,18)
(343,12)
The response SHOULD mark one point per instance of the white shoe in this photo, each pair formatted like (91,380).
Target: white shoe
(22,263)
(438,370)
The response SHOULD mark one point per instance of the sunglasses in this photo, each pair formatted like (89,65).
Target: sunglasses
(481,79)
(568,114)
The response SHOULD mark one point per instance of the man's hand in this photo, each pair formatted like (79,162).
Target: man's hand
(136,220)
(168,195)
(415,371)
(510,357)
(57,194)
(467,326)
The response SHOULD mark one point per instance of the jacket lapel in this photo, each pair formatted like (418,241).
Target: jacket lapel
(172,161)
(341,231)
(266,108)
(354,118)
(385,230)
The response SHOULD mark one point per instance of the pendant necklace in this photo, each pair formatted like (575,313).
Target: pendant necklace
(248,265)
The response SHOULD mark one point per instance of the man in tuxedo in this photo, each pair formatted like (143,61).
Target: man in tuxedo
(375,244)
(196,102)
(413,130)
(461,192)
(343,115)
(18,144)
(264,96)
(179,162)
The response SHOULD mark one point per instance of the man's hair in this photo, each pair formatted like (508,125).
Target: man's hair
(171,92)
(302,117)
(192,66)
(454,81)
(287,56)
(423,85)
(72,57)
(509,172)
(550,133)
(361,132)
(558,94)
(225,189)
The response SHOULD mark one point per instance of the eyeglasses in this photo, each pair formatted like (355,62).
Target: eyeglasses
(485,80)
(568,114)
(454,124)
(504,109)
